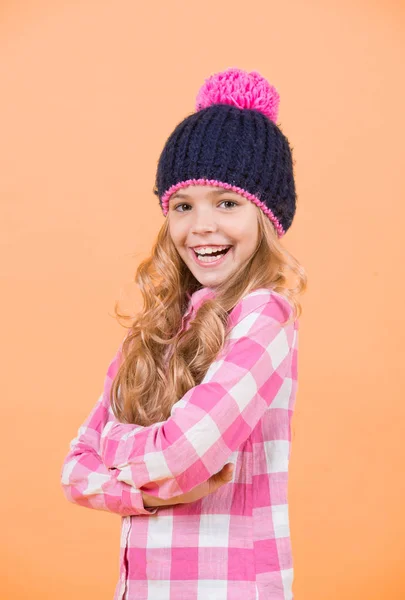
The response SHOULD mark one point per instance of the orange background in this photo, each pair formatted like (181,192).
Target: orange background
(90,92)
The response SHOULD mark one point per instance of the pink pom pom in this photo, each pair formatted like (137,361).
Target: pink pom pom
(242,89)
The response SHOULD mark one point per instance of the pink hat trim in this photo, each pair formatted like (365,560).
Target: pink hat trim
(227,186)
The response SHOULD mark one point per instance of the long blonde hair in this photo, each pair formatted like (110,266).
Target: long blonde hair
(145,388)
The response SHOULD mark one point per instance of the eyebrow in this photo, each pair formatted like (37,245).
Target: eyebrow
(212,193)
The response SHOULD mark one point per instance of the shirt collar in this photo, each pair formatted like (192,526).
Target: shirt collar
(197,298)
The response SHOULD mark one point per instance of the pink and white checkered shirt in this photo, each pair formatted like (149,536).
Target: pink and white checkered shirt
(233,544)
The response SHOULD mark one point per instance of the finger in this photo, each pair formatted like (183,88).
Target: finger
(220,478)
(227,471)
(230,467)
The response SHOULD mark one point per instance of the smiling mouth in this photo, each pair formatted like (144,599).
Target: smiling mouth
(206,260)
(215,253)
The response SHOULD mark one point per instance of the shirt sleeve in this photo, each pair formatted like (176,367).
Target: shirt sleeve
(85,479)
(213,418)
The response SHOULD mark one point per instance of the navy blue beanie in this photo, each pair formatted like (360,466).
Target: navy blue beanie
(232,141)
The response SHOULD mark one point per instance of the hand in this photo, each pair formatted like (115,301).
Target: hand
(201,490)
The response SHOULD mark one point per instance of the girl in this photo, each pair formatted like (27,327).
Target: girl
(207,373)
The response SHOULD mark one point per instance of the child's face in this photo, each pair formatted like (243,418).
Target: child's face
(206,218)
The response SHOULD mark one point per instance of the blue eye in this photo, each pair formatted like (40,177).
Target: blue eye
(185,204)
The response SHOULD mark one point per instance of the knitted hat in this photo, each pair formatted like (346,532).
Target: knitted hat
(232,141)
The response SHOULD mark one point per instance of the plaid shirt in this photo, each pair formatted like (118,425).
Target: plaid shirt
(233,544)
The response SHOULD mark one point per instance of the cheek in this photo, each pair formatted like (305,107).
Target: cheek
(171,222)
(248,239)
(244,234)
(175,232)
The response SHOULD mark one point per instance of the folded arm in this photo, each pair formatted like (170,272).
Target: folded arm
(85,479)
(212,419)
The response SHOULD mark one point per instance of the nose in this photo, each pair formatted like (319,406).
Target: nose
(203,221)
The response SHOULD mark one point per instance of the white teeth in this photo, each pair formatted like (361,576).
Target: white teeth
(209,249)
(209,258)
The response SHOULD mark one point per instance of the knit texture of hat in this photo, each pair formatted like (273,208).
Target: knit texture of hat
(232,141)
